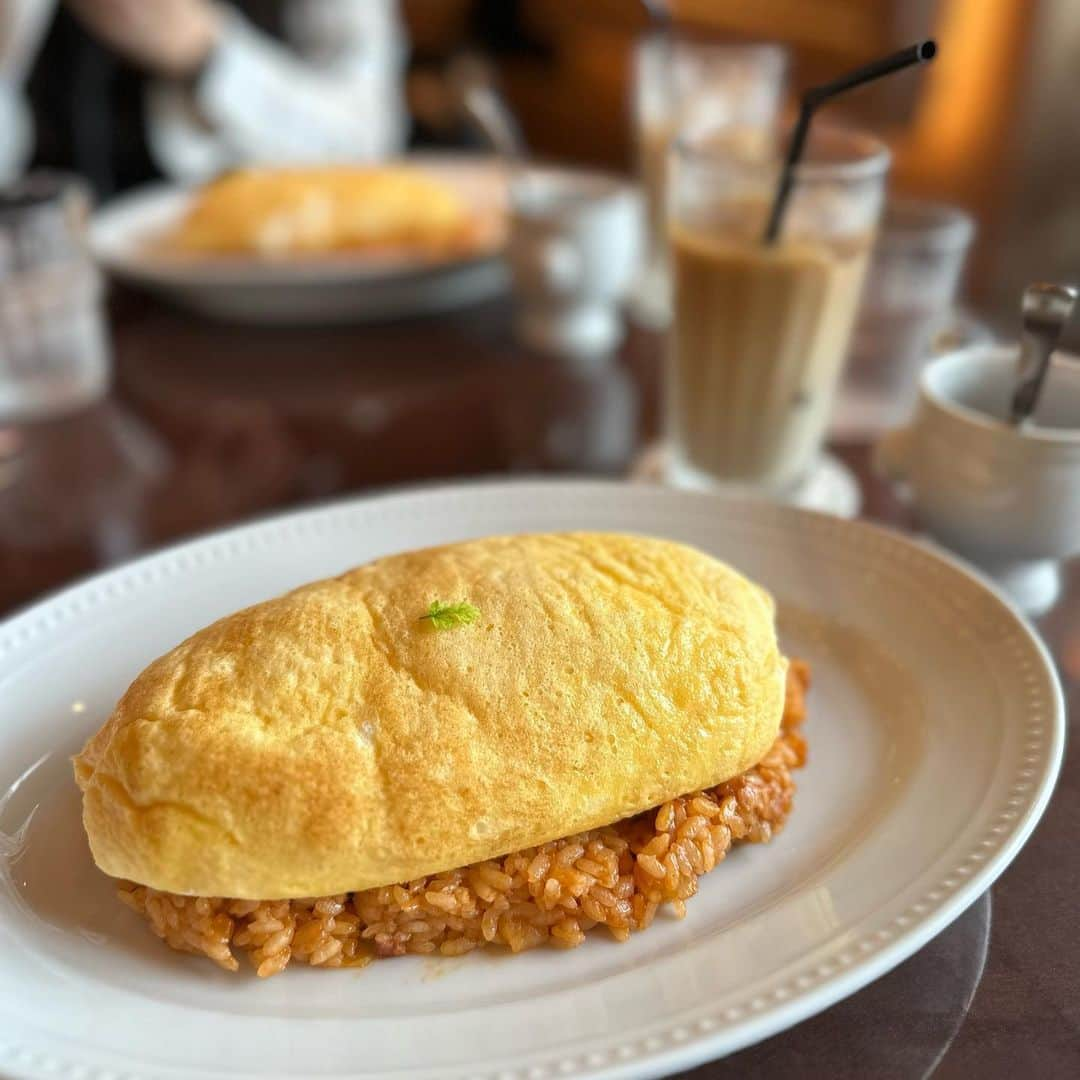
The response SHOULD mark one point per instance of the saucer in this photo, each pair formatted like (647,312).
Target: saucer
(830,488)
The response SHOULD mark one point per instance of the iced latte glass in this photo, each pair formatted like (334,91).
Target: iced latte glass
(760,332)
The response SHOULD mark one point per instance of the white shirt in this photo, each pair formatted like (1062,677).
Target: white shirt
(332,92)
(22,27)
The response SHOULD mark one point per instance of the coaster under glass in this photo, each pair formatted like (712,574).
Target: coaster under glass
(830,487)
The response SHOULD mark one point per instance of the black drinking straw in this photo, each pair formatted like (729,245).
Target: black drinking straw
(818,95)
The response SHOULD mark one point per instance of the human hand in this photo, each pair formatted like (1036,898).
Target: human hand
(169,37)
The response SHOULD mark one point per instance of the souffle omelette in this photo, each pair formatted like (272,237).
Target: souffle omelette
(326,209)
(505,741)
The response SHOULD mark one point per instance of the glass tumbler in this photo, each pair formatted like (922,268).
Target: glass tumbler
(908,305)
(685,81)
(53,344)
(761,331)
(76,472)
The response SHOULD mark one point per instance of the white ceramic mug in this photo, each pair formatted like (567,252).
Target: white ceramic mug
(1006,498)
(575,246)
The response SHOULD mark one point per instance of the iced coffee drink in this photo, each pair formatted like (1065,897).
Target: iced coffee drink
(761,331)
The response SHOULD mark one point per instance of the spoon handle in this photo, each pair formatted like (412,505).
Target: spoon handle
(488,110)
(1034,363)
(1046,309)
(490,113)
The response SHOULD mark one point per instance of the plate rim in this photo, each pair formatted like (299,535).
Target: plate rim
(679,1045)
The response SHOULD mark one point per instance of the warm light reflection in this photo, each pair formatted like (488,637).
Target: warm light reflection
(955,146)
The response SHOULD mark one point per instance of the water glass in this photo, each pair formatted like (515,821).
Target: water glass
(53,346)
(908,307)
(680,82)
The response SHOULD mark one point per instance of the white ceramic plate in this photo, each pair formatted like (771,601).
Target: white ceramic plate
(311,289)
(935,729)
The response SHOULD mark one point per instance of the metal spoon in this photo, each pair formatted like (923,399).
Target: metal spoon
(487,108)
(1046,309)
(658,11)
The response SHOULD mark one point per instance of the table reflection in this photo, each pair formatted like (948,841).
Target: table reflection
(898,1028)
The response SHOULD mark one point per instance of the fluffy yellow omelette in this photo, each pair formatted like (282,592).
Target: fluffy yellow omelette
(333,740)
(281,211)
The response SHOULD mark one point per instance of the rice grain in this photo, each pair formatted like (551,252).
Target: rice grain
(617,876)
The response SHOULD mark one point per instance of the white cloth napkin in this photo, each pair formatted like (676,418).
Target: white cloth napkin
(22,27)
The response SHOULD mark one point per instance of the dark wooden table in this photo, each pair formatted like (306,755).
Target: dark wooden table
(209,424)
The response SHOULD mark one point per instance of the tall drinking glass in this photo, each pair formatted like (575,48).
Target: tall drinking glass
(53,348)
(680,81)
(907,308)
(76,472)
(760,332)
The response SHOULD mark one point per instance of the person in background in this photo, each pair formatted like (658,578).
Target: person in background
(296,81)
